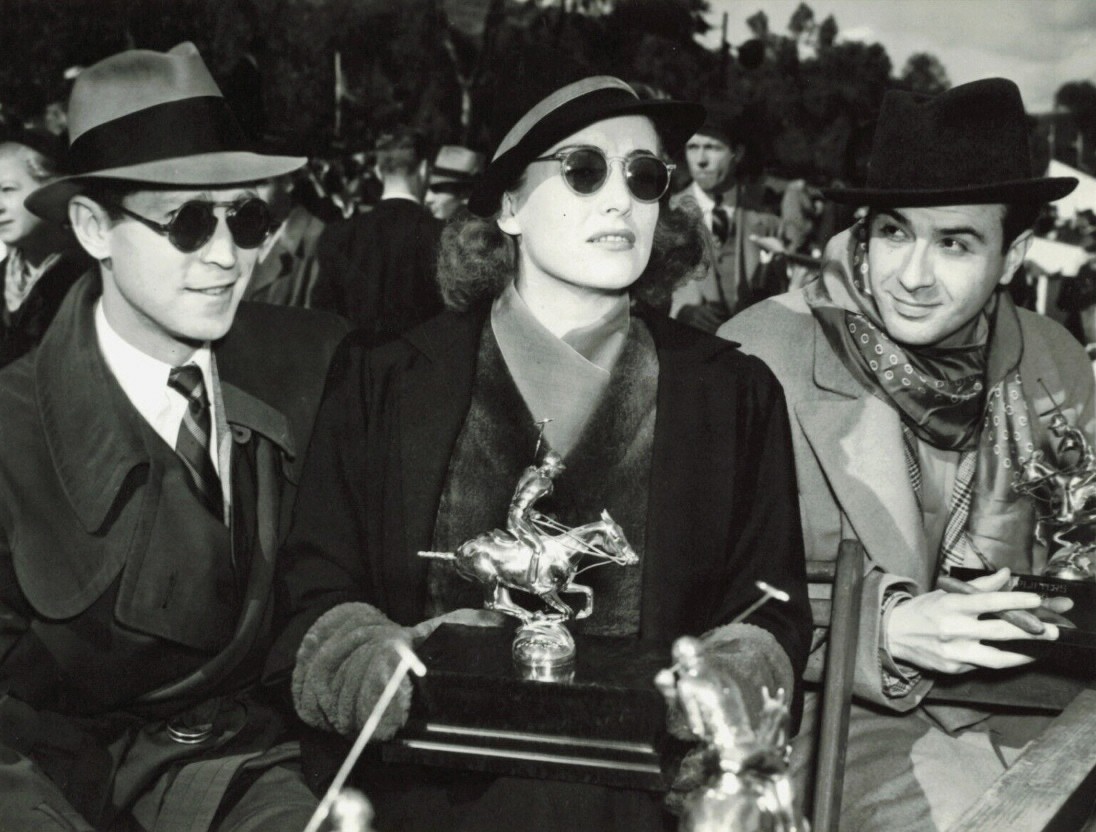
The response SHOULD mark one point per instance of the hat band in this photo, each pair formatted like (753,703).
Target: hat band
(187,127)
(463,174)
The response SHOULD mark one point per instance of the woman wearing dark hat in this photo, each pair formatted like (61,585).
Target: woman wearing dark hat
(420,445)
(43,259)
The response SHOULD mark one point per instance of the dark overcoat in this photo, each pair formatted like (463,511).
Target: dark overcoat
(125,607)
(22,329)
(377,269)
(722,511)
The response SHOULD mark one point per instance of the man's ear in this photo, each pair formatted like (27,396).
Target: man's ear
(91,225)
(507,219)
(1014,257)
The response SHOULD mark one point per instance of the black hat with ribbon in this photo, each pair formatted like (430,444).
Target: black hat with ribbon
(966,146)
(156,118)
(553,113)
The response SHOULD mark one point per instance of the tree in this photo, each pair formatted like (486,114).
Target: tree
(802,21)
(924,73)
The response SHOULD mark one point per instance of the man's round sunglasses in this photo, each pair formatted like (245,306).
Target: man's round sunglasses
(586,169)
(194,222)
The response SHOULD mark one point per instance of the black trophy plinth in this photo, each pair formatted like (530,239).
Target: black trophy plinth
(474,711)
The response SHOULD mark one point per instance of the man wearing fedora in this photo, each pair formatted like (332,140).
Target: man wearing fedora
(151,444)
(377,269)
(916,390)
(733,212)
(286,270)
(452,177)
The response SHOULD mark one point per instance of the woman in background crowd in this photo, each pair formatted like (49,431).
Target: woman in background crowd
(43,259)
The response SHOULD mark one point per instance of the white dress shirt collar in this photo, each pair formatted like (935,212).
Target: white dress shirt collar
(144,381)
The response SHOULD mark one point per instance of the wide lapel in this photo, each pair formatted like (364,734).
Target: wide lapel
(433,399)
(94,436)
(251,421)
(857,440)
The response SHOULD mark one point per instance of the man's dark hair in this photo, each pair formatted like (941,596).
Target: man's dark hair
(1018,218)
(109,193)
(401,151)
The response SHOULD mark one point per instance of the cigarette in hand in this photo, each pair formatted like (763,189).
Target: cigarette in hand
(1023,619)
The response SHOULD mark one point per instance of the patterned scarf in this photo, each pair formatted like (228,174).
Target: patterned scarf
(967,398)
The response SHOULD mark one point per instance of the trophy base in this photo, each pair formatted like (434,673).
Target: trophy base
(544,650)
(1073,563)
(477,710)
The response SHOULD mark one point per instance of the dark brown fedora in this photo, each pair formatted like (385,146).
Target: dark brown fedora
(966,146)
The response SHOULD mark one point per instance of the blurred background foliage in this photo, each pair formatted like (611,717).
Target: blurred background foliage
(325,76)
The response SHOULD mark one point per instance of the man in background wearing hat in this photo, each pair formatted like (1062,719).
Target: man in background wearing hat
(452,177)
(732,211)
(916,390)
(149,458)
(377,269)
(287,266)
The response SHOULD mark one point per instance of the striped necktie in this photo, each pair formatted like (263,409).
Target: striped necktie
(195,432)
(721,220)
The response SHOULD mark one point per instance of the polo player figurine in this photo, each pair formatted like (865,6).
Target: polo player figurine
(1068,486)
(749,788)
(540,556)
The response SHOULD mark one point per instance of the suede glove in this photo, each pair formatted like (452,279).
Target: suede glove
(347,658)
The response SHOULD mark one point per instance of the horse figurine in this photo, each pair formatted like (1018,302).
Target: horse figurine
(500,562)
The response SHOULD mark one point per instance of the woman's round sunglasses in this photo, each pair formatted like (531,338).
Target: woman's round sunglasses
(585,170)
(194,222)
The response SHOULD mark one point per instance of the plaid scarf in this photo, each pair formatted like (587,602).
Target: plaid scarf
(969,399)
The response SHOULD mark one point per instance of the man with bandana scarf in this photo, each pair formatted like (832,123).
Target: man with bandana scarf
(917,392)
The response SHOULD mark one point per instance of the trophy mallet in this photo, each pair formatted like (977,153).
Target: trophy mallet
(409,662)
(768,592)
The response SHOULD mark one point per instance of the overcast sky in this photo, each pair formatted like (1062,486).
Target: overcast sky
(1040,44)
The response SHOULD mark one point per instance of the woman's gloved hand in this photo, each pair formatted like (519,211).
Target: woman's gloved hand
(347,658)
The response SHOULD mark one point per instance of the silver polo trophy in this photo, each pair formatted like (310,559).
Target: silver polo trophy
(537,555)
(1065,488)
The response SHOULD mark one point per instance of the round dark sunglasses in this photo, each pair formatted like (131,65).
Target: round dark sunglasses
(194,222)
(586,169)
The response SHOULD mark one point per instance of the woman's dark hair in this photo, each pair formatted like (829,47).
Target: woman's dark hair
(476,260)
(1018,218)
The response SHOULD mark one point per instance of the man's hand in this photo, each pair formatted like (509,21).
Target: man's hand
(942,631)
(702,316)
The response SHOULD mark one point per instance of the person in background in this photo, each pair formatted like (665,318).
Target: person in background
(151,445)
(377,269)
(1077,299)
(732,211)
(421,443)
(452,177)
(916,391)
(42,258)
(287,267)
